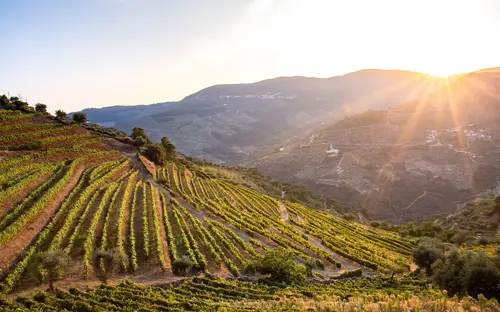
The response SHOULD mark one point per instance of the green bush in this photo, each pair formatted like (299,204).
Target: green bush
(280,265)
(428,251)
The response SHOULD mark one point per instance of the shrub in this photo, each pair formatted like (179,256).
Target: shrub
(106,262)
(80,117)
(181,265)
(139,132)
(471,273)
(41,108)
(140,141)
(349,216)
(347,274)
(428,251)
(49,265)
(60,114)
(156,153)
(280,265)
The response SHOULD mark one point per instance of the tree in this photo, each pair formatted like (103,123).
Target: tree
(281,267)
(140,141)
(49,265)
(106,262)
(181,265)
(41,108)
(80,117)
(60,114)
(428,251)
(468,273)
(139,132)
(169,147)
(156,153)
(5,102)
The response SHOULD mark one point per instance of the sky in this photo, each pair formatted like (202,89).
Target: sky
(74,54)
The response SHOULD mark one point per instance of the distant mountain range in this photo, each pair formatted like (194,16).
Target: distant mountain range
(226,123)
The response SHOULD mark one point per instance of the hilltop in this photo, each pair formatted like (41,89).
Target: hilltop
(226,123)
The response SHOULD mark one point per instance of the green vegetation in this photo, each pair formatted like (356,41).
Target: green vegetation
(80,118)
(67,197)
(50,266)
(460,272)
(210,293)
(281,267)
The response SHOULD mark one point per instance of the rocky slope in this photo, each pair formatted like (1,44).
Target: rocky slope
(412,161)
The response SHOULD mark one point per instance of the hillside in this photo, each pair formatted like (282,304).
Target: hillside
(226,123)
(213,294)
(67,188)
(413,161)
(481,216)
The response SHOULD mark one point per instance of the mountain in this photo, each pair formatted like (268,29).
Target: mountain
(226,123)
(412,161)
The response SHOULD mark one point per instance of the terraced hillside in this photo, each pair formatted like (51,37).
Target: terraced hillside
(65,188)
(210,293)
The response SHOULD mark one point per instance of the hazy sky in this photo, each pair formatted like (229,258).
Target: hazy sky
(74,54)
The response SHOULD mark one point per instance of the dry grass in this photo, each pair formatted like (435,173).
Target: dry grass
(437,301)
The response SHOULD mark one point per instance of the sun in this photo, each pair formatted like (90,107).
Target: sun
(441,72)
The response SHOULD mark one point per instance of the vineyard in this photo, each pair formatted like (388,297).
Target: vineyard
(210,293)
(62,188)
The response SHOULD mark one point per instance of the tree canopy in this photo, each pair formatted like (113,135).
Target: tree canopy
(280,265)
(80,117)
(139,132)
(41,108)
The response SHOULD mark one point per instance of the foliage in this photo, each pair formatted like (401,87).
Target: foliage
(471,273)
(139,132)
(349,217)
(5,102)
(106,262)
(61,115)
(80,117)
(156,153)
(181,265)
(428,251)
(140,141)
(41,108)
(281,267)
(168,146)
(49,265)
(348,274)
(426,229)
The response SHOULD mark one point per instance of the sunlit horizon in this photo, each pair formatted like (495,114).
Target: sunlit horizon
(73,55)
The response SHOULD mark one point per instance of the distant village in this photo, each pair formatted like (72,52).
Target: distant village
(469,132)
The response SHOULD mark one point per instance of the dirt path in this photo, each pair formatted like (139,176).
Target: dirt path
(283,212)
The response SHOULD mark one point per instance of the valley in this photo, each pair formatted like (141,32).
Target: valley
(227,123)
(413,161)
